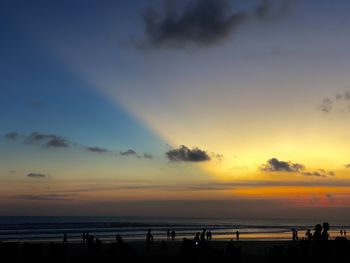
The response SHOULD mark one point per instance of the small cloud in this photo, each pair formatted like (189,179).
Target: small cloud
(147,156)
(51,140)
(185,154)
(97,149)
(12,171)
(36,175)
(274,165)
(11,135)
(128,152)
(347,165)
(326,105)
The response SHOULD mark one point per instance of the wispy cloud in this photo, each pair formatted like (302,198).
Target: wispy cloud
(97,150)
(50,140)
(45,197)
(128,152)
(11,135)
(36,175)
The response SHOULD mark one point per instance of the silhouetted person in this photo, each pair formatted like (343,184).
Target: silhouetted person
(341,232)
(65,238)
(237,235)
(209,235)
(317,233)
(196,239)
(203,235)
(173,235)
(149,238)
(344,233)
(168,234)
(325,234)
(84,237)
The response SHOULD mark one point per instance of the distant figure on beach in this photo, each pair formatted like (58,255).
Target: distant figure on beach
(168,234)
(341,232)
(308,235)
(65,238)
(203,235)
(173,235)
(209,235)
(237,235)
(196,239)
(325,234)
(84,237)
(317,233)
(294,234)
(149,238)
(344,231)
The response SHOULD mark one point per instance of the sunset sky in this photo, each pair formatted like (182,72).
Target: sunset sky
(175,108)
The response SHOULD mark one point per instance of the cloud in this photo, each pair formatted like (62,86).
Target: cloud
(319,173)
(202,23)
(326,105)
(36,175)
(50,140)
(185,154)
(147,156)
(340,101)
(274,165)
(128,152)
(46,197)
(97,149)
(347,165)
(11,135)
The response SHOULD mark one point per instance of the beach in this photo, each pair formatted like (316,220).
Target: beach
(171,251)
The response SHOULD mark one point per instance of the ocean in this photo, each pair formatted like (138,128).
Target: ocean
(52,228)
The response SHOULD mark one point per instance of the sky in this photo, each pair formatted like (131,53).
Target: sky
(204,108)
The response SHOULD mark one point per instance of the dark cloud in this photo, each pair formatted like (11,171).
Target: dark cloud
(202,22)
(11,135)
(345,96)
(128,152)
(185,154)
(97,149)
(36,175)
(51,140)
(347,165)
(274,165)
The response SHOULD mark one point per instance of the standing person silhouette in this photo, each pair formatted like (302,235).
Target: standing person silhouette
(149,238)
(173,235)
(168,234)
(237,235)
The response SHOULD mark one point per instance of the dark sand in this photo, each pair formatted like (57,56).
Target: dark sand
(137,251)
